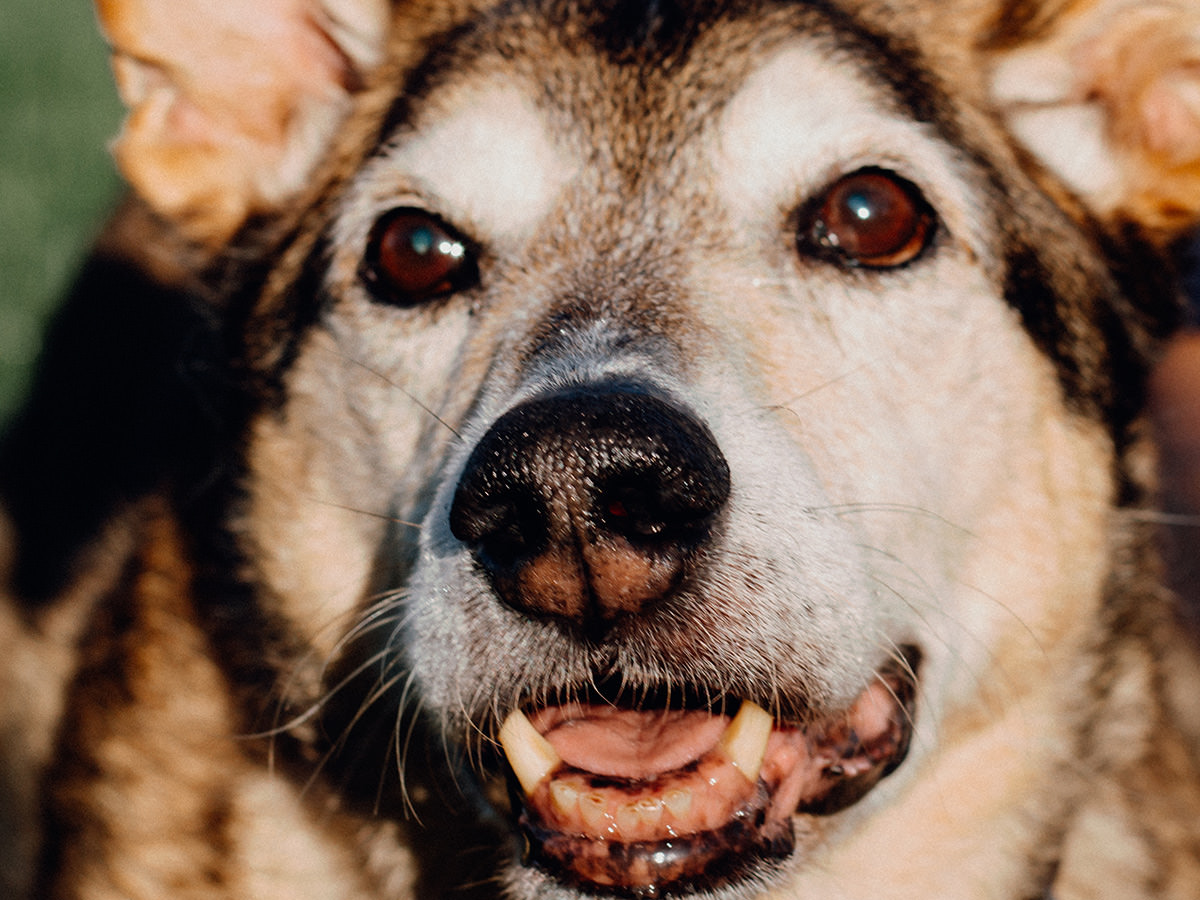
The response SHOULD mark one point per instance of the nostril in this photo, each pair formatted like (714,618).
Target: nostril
(506,529)
(589,503)
(630,508)
(652,506)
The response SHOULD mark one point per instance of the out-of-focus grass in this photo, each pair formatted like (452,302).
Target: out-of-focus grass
(58,110)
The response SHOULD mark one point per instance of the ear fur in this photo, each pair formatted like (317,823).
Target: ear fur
(232,102)
(1107,94)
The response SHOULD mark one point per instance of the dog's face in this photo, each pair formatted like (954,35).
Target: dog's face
(712,410)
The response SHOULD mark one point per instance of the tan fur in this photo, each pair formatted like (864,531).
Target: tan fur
(917,459)
(161,772)
(40,661)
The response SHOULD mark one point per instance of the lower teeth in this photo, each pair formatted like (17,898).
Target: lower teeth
(649,868)
(699,798)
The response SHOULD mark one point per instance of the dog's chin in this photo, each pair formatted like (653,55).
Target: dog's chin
(668,799)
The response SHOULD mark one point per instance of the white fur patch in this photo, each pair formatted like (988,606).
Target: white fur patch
(488,161)
(800,121)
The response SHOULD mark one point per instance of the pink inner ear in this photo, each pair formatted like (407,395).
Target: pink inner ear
(1145,67)
(1171,113)
(232,102)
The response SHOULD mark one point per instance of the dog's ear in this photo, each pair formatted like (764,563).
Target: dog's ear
(231,102)
(1107,94)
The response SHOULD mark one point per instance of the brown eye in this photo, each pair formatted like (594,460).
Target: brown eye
(872,218)
(412,256)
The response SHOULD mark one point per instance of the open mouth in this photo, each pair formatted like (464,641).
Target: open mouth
(658,802)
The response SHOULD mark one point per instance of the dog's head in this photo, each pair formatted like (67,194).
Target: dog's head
(717,407)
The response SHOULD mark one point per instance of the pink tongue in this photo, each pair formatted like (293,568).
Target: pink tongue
(621,743)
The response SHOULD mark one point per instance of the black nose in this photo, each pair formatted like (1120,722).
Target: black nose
(590,504)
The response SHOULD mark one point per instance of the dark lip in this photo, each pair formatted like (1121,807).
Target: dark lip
(748,846)
(688,865)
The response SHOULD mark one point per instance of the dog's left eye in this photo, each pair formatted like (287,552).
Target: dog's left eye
(413,256)
(871,218)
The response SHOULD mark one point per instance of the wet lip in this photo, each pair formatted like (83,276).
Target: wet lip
(656,802)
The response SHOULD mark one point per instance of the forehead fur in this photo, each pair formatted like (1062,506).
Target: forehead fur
(634,80)
(605,96)
(650,60)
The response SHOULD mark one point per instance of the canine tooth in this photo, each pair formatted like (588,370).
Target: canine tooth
(530,755)
(745,740)
(678,802)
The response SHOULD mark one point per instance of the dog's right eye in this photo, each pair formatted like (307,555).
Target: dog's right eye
(413,256)
(871,218)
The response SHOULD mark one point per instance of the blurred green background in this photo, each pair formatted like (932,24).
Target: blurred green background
(58,112)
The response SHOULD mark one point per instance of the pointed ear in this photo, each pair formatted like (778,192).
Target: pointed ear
(1107,94)
(232,102)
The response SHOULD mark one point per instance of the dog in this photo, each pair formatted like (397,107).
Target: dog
(559,449)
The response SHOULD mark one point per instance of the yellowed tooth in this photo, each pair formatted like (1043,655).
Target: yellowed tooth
(745,740)
(678,802)
(650,809)
(530,755)
(594,810)
(566,797)
(628,819)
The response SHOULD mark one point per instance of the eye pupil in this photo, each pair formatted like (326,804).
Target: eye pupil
(412,257)
(859,206)
(422,241)
(872,218)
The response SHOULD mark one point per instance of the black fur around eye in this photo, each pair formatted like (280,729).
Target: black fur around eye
(413,256)
(871,218)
